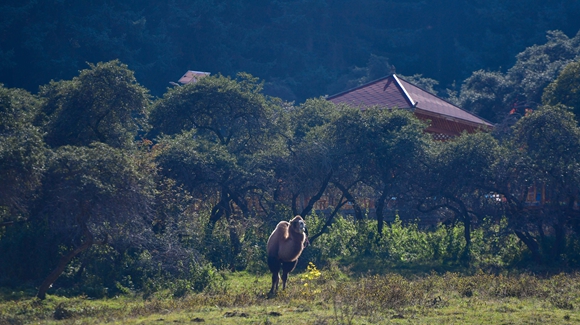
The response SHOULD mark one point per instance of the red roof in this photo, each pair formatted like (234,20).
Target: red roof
(394,92)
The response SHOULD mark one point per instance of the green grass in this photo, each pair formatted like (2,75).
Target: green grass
(327,296)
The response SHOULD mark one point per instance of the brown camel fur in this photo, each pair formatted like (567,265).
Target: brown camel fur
(284,247)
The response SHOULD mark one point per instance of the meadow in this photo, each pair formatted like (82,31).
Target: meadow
(410,276)
(331,295)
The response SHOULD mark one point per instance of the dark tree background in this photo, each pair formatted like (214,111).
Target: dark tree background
(302,49)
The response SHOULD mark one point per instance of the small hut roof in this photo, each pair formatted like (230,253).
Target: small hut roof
(192,76)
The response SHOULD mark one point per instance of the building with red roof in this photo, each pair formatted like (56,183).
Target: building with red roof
(445,119)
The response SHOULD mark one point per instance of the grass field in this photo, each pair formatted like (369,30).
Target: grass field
(328,296)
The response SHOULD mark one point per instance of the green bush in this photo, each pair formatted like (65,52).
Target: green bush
(197,278)
(200,278)
(406,244)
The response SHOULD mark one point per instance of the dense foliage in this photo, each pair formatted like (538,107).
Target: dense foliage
(105,190)
(499,96)
(302,49)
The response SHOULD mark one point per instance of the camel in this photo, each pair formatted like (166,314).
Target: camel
(284,247)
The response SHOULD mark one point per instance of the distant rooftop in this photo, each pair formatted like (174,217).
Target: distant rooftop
(394,92)
(192,76)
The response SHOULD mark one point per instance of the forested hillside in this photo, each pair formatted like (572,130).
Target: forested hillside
(301,49)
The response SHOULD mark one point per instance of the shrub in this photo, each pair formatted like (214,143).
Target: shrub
(405,244)
(197,278)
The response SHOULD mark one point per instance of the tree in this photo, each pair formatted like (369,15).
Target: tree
(538,65)
(306,171)
(104,103)
(363,154)
(565,89)
(496,95)
(304,46)
(394,146)
(484,93)
(457,177)
(94,195)
(379,148)
(221,139)
(231,112)
(547,142)
(22,152)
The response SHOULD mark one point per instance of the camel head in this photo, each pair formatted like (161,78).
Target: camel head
(298,225)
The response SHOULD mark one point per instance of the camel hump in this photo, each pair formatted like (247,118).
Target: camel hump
(297,217)
(281,231)
(283,224)
(278,235)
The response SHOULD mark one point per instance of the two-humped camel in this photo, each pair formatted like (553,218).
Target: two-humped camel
(284,247)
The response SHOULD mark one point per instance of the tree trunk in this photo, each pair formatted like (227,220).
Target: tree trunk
(465,216)
(47,283)
(236,245)
(328,221)
(532,245)
(350,198)
(379,213)
(216,213)
(316,197)
(560,240)
(467,235)
(294,203)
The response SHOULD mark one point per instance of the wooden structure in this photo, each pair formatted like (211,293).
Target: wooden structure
(445,119)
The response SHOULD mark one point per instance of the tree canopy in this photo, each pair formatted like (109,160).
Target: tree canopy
(22,152)
(565,89)
(496,95)
(104,103)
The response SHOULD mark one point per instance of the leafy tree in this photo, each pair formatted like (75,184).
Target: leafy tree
(22,152)
(380,148)
(224,140)
(565,89)
(484,93)
(495,95)
(548,143)
(307,170)
(349,165)
(229,112)
(393,146)
(538,65)
(346,155)
(94,195)
(104,103)
(457,178)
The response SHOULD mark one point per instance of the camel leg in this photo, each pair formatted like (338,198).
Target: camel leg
(275,281)
(287,267)
(274,265)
